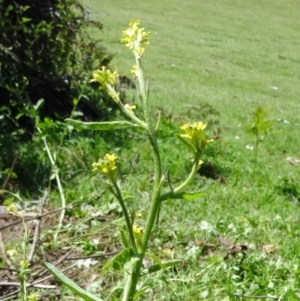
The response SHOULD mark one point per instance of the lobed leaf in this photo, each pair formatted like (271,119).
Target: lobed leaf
(100,126)
(118,261)
(156,267)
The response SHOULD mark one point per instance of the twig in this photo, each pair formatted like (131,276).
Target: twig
(6,297)
(94,256)
(3,253)
(36,217)
(37,226)
(57,262)
(256,297)
(8,269)
(11,170)
(27,284)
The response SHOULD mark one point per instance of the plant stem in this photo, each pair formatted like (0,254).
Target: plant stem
(186,182)
(60,188)
(22,277)
(255,154)
(132,279)
(191,175)
(126,215)
(154,202)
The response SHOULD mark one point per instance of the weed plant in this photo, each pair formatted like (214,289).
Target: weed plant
(135,236)
(225,59)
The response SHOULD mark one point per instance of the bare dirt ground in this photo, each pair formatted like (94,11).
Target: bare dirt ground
(40,248)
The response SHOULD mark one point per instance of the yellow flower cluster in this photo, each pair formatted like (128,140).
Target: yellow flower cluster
(11,253)
(107,166)
(194,136)
(24,264)
(107,80)
(134,71)
(138,233)
(134,37)
(130,108)
(33,297)
(12,208)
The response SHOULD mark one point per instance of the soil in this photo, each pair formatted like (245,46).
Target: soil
(11,234)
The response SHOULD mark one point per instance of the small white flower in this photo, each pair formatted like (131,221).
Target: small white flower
(250,147)
(237,137)
(81,263)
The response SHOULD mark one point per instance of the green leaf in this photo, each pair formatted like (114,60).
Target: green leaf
(25,20)
(16,195)
(184,195)
(140,292)
(26,7)
(75,101)
(187,143)
(118,261)
(124,239)
(100,126)
(169,181)
(155,258)
(191,195)
(39,103)
(69,283)
(156,267)
(129,265)
(13,175)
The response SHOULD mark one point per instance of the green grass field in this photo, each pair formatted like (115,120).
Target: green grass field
(234,56)
(241,241)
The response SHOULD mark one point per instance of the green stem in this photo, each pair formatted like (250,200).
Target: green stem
(132,116)
(126,215)
(59,186)
(186,182)
(154,202)
(22,277)
(144,97)
(132,280)
(191,175)
(255,154)
(127,112)
(23,291)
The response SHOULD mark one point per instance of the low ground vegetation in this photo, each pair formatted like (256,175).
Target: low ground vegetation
(241,239)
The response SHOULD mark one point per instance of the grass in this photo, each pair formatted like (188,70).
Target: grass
(242,237)
(234,56)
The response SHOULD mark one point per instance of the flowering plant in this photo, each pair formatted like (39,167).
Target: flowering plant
(137,238)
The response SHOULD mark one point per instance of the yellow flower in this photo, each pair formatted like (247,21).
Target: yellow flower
(134,71)
(33,297)
(138,233)
(134,37)
(24,264)
(105,76)
(130,108)
(11,253)
(193,135)
(107,166)
(107,80)
(113,94)
(12,208)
